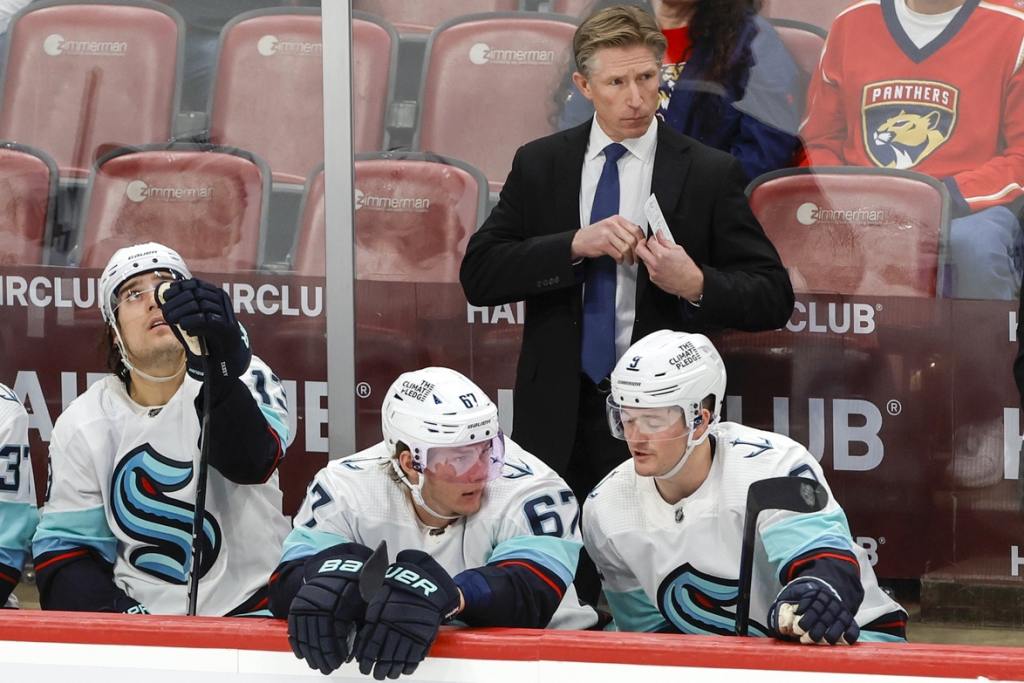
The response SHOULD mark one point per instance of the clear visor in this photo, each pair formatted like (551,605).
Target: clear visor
(646,424)
(470,464)
(130,297)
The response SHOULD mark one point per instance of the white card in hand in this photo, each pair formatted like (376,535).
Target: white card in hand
(656,219)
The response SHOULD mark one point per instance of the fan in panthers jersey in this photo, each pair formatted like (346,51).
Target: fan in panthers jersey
(665,527)
(487,533)
(941,92)
(17,494)
(115,533)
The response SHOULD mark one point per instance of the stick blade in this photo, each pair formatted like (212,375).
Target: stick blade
(797,494)
(372,576)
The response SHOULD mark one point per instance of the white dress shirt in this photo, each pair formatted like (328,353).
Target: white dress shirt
(636,169)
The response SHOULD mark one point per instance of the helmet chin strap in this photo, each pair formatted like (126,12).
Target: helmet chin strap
(144,375)
(417,491)
(690,445)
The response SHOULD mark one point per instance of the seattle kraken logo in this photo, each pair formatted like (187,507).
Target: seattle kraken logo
(695,602)
(160,523)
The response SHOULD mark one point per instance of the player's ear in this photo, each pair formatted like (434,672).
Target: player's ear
(405,462)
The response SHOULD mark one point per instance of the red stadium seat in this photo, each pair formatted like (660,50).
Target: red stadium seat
(805,43)
(84,75)
(28,188)
(268,90)
(207,202)
(855,230)
(414,215)
(498,71)
(374,63)
(818,12)
(422,17)
(574,8)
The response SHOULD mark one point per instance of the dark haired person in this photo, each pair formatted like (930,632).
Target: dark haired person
(115,534)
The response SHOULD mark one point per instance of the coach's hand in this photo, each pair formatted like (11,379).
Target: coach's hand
(810,610)
(403,618)
(204,310)
(614,236)
(671,268)
(328,609)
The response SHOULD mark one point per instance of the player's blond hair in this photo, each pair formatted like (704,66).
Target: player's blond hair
(616,26)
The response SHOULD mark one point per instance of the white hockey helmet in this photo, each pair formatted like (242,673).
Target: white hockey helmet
(668,369)
(449,425)
(128,262)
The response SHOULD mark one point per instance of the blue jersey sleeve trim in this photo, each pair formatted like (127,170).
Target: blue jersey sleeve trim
(302,543)
(878,637)
(17,525)
(279,426)
(633,611)
(800,533)
(75,529)
(15,559)
(558,555)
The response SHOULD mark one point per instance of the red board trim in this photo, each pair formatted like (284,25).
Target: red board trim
(958,661)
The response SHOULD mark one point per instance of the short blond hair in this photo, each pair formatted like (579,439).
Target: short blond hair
(616,26)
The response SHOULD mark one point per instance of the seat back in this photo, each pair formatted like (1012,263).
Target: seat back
(821,13)
(374,66)
(422,17)
(28,188)
(207,202)
(855,230)
(80,76)
(414,215)
(267,93)
(498,71)
(805,43)
(573,8)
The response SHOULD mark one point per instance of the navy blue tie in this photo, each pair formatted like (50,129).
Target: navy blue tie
(597,353)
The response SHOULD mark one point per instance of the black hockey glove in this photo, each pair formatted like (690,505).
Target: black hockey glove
(328,609)
(403,618)
(205,310)
(809,610)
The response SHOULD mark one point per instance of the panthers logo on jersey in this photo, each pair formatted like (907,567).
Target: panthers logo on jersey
(906,121)
(696,602)
(162,525)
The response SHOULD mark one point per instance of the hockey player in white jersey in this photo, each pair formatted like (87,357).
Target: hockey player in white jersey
(490,529)
(18,514)
(665,527)
(115,531)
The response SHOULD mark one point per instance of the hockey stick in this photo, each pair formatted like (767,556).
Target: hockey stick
(796,494)
(372,576)
(198,516)
(198,347)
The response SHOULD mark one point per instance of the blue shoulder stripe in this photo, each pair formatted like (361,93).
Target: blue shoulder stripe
(302,542)
(558,555)
(798,534)
(59,531)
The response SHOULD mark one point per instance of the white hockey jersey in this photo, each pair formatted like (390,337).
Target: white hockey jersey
(527,512)
(122,483)
(18,514)
(677,566)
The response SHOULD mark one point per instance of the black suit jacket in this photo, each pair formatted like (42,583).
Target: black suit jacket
(522,251)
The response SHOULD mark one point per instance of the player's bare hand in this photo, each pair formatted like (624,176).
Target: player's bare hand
(671,268)
(614,236)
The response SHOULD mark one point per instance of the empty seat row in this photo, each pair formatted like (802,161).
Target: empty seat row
(848,230)
(81,78)
(412,18)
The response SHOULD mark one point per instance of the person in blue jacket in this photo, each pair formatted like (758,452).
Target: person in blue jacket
(727,80)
